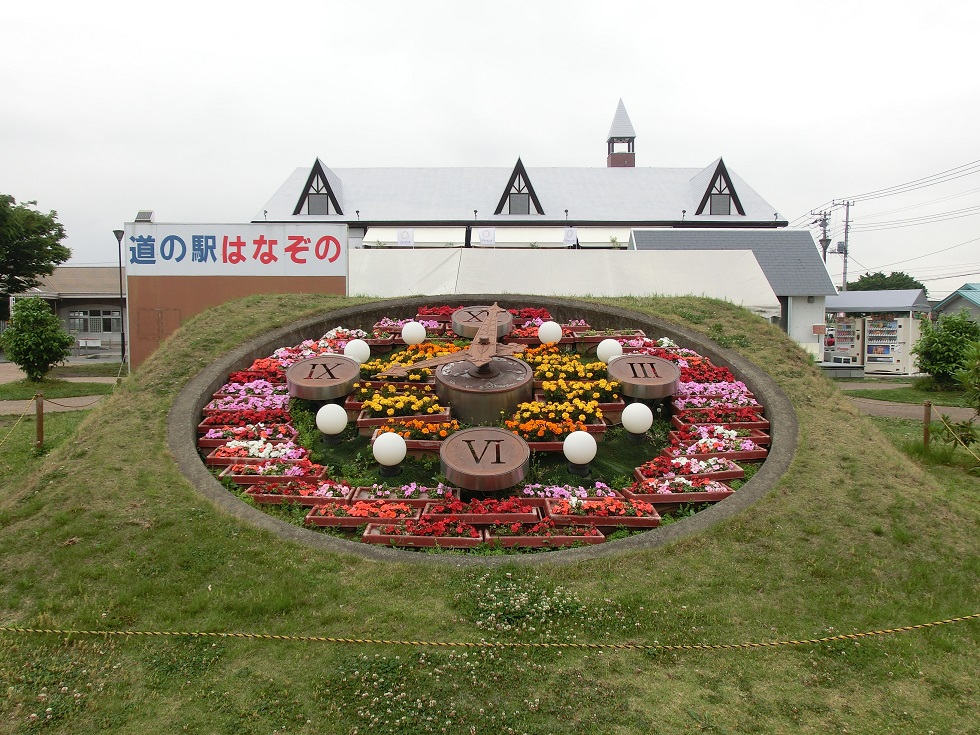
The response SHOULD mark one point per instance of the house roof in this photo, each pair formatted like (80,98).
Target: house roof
(449,196)
(789,258)
(75,282)
(909,299)
(968,291)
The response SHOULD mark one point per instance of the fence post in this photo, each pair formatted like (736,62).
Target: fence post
(39,412)
(926,418)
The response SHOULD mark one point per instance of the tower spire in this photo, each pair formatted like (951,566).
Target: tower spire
(621,132)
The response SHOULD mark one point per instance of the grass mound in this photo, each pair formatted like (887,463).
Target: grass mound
(104,533)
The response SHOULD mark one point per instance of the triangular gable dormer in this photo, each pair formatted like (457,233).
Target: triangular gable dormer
(321,194)
(519,196)
(720,196)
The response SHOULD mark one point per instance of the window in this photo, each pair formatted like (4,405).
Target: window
(519,203)
(721,204)
(318,204)
(94,321)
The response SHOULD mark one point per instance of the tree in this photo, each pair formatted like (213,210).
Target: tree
(30,247)
(943,347)
(895,281)
(34,339)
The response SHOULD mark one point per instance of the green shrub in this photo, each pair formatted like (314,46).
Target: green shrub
(943,346)
(34,339)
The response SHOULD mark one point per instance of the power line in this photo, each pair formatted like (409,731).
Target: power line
(967,169)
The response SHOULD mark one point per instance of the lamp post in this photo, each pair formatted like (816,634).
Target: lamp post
(122,308)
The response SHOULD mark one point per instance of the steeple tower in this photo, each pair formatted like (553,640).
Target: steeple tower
(621,131)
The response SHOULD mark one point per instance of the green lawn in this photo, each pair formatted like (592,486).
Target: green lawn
(23,390)
(103,533)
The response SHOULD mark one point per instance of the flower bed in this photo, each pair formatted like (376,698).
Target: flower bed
(484,512)
(273,470)
(707,438)
(443,533)
(664,492)
(252,451)
(218,435)
(735,417)
(358,513)
(300,493)
(603,513)
(551,422)
(574,393)
(413,494)
(247,403)
(422,438)
(717,468)
(243,418)
(536,493)
(543,534)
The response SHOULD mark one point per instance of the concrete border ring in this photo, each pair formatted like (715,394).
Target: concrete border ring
(184,415)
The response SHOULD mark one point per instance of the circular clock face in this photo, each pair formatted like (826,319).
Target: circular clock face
(485,459)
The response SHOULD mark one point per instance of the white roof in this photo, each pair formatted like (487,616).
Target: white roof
(621,126)
(449,196)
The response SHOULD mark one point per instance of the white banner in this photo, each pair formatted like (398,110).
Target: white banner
(406,237)
(263,249)
(488,235)
(571,236)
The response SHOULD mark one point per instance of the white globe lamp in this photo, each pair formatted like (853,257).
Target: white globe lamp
(413,333)
(579,448)
(608,349)
(389,450)
(637,420)
(331,420)
(358,350)
(549,332)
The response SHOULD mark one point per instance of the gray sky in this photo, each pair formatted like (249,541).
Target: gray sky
(200,110)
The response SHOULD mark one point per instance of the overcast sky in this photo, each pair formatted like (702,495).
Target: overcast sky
(200,110)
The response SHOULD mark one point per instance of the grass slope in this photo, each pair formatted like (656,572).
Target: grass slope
(104,533)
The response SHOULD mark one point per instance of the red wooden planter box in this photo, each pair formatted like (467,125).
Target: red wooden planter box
(679,423)
(366,493)
(749,455)
(204,427)
(260,479)
(203,443)
(755,435)
(660,500)
(736,474)
(539,502)
(351,521)
(543,542)
(367,424)
(256,494)
(651,521)
(373,535)
(758,408)
(486,519)
(212,461)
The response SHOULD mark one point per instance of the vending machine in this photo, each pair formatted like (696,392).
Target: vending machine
(888,344)
(848,341)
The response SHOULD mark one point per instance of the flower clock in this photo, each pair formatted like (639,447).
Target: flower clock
(263,444)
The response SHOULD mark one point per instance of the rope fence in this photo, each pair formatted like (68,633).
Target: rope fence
(486,644)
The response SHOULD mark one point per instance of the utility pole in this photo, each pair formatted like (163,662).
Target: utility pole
(847,229)
(823,221)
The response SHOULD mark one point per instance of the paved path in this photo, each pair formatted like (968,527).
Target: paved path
(10,373)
